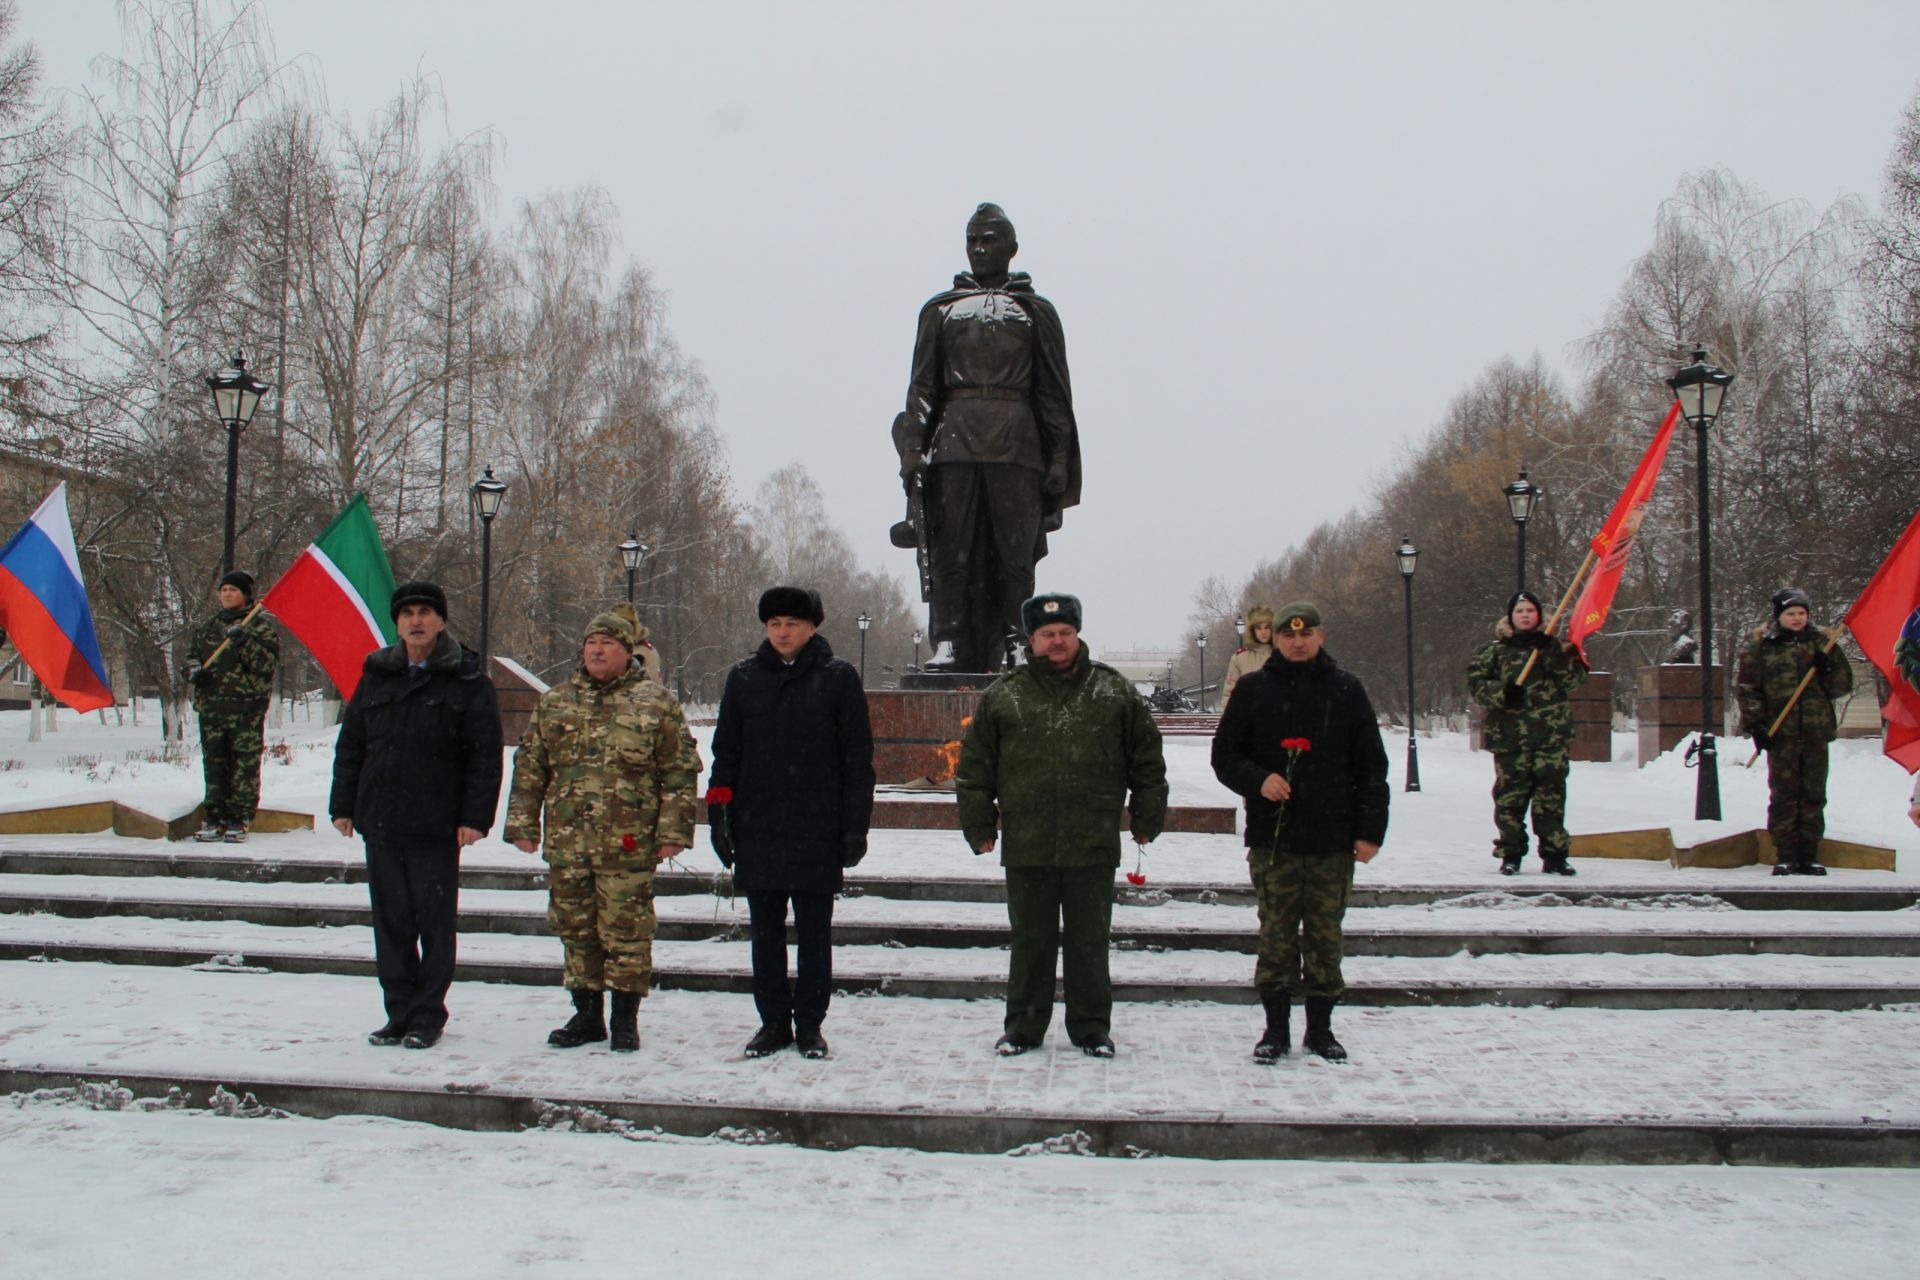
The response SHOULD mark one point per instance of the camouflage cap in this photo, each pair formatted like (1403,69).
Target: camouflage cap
(612,626)
(1296,617)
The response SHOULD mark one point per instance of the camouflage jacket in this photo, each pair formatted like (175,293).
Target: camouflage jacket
(1770,669)
(1544,720)
(1049,760)
(614,767)
(241,678)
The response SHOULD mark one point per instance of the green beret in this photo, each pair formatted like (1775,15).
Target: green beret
(1045,610)
(1298,616)
(614,627)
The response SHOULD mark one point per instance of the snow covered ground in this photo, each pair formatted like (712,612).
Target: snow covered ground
(92,1186)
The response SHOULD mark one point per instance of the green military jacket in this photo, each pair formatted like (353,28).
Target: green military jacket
(241,678)
(614,767)
(1544,720)
(1049,760)
(1770,669)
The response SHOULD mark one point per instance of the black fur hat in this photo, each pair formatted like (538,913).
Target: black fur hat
(792,602)
(418,593)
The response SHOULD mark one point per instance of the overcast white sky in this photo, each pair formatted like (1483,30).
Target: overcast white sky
(1281,237)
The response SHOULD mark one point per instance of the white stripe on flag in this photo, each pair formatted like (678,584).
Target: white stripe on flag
(351,592)
(53,520)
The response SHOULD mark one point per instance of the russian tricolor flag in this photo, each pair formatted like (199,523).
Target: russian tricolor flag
(43,606)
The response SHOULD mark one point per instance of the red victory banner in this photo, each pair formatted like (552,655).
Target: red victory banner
(1614,543)
(1886,622)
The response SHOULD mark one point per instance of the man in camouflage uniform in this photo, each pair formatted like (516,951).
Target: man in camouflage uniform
(609,759)
(1300,741)
(1529,730)
(1048,763)
(1770,670)
(231,658)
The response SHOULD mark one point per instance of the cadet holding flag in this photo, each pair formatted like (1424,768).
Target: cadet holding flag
(608,767)
(233,654)
(1523,677)
(1793,730)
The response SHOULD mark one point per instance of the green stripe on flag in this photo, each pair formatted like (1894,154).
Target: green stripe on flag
(352,544)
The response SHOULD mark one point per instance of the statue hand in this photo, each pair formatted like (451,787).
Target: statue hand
(1056,482)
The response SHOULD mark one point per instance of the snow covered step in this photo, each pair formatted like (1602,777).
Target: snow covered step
(1587,981)
(257,863)
(1478,1083)
(1480,925)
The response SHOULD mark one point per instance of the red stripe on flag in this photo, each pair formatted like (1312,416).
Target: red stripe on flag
(1887,609)
(310,604)
(1614,542)
(49,651)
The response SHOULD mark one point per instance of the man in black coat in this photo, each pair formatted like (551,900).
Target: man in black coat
(1300,741)
(416,771)
(788,806)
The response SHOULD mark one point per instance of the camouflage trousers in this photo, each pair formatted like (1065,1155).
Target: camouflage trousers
(605,919)
(230,747)
(1536,779)
(1302,899)
(1796,792)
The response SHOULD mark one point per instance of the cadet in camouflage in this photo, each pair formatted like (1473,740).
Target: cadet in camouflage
(1529,730)
(231,693)
(608,768)
(1771,667)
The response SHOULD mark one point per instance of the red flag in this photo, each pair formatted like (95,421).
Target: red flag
(1614,542)
(1886,622)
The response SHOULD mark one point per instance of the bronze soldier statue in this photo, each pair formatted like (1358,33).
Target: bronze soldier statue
(989,451)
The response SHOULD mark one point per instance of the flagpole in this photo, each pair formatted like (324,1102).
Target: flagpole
(1565,600)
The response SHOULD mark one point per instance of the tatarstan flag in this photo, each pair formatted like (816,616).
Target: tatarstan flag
(334,597)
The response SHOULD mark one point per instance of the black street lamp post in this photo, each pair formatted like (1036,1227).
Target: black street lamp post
(1700,388)
(1407,555)
(236,394)
(918,636)
(633,554)
(1522,494)
(865,620)
(1200,641)
(487,493)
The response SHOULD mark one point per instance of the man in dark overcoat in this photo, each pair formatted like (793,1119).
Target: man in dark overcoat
(1300,741)
(788,806)
(416,773)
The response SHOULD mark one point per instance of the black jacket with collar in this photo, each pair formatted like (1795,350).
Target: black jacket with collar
(794,743)
(419,752)
(1339,782)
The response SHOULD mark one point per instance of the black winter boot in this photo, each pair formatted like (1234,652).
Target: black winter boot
(1786,859)
(1808,863)
(1277,1039)
(588,1023)
(1510,865)
(1557,865)
(624,1025)
(1319,1038)
(811,1043)
(772,1037)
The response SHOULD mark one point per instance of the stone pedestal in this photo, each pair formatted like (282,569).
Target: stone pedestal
(1592,720)
(916,733)
(1667,703)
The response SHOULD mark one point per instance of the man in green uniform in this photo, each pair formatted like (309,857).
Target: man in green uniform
(608,758)
(1047,765)
(1529,730)
(1770,671)
(231,658)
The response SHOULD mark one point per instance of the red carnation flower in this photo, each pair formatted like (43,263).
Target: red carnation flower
(1136,878)
(719,795)
(628,843)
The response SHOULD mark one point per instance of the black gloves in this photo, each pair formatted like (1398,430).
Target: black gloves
(196,674)
(1823,661)
(1762,739)
(237,632)
(854,849)
(720,830)
(1514,696)
(1535,639)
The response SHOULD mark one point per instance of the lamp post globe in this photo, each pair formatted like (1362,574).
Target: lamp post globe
(1408,557)
(236,394)
(1522,495)
(1701,388)
(633,554)
(918,636)
(866,621)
